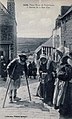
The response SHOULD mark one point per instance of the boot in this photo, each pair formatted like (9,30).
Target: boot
(17,98)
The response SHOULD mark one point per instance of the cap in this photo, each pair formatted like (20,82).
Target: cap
(61,49)
(65,58)
(69,61)
(2,56)
(42,56)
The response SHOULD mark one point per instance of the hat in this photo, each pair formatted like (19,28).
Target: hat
(23,55)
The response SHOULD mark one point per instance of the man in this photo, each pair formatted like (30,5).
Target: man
(15,69)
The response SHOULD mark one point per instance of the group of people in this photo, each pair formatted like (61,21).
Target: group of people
(55,86)
(55,78)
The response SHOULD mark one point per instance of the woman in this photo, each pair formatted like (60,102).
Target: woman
(65,107)
(63,88)
(60,52)
(43,76)
(50,82)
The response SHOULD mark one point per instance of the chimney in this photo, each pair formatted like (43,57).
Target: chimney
(11,7)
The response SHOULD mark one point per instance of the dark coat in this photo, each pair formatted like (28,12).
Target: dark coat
(34,69)
(30,69)
(50,81)
(15,69)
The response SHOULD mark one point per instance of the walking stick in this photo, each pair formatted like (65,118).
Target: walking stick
(28,89)
(6,93)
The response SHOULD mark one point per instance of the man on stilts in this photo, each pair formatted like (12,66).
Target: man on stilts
(16,69)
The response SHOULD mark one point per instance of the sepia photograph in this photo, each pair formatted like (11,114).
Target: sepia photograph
(35,59)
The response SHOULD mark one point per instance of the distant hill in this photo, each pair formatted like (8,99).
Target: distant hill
(29,44)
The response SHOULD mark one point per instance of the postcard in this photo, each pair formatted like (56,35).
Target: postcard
(32,32)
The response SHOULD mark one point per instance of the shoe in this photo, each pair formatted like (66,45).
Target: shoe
(49,104)
(56,107)
(11,101)
(17,99)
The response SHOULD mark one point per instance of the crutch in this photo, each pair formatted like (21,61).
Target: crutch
(6,93)
(28,89)
(8,87)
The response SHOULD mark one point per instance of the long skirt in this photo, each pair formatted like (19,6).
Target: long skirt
(49,91)
(66,106)
(59,92)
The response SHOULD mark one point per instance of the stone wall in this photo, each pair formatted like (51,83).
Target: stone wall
(8,34)
(66,32)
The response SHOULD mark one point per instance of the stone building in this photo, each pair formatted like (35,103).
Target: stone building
(66,28)
(8,35)
(56,33)
(62,34)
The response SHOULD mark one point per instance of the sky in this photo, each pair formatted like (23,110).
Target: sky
(36,18)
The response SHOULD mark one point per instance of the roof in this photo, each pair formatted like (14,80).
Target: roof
(48,43)
(38,49)
(3,8)
(70,10)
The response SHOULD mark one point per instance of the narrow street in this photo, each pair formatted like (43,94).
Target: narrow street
(25,109)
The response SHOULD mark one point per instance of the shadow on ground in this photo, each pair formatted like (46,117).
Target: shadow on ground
(28,104)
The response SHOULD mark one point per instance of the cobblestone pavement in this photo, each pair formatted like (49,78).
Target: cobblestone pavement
(25,109)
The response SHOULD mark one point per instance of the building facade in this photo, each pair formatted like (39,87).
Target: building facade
(46,48)
(62,34)
(8,35)
(66,28)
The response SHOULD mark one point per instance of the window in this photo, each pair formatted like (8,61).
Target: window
(6,32)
